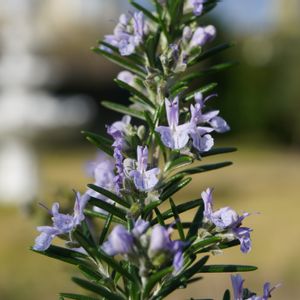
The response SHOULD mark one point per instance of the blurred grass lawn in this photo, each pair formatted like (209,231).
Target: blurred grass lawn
(261,180)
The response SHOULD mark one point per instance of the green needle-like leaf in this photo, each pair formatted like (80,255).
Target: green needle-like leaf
(180,209)
(123,109)
(175,188)
(205,168)
(91,274)
(100,141)
(103,216)
(180,279)
(216,151)
(109,195)
(144,10)
(121,61)
(177,219)
(212,52)
(116,266)
(196,247)
(76,296)
(205,89)
(135,92)
(105,229)
(155,279)
(226,268)
(100,290)
(65,255)
(115,211)
(178,163)
(226,295)
(197,222)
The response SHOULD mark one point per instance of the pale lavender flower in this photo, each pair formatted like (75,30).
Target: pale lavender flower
(243,235)
(238,289)
(197,6)
(128,33)
(102,170)
(227,219)
(144,180)
(237,284)
(200,99)
(160,242)
(120,241)
(62,223)
(219,124)
(174,136)
(187,34)
(208,202)
(268,290)
(202,141)
(212,118)
(127,77)
(202,36)
(140,227)
(44,240)
(117,130)
(80,204)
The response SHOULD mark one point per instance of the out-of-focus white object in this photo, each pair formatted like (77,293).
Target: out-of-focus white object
(26,110)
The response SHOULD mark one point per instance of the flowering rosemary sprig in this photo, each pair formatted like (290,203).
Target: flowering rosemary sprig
(134,255)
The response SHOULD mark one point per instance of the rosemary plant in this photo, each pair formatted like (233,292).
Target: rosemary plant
(135,254)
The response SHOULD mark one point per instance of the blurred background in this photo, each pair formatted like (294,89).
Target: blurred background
(51,85)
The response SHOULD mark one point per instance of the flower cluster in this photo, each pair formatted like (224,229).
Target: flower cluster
(144,180)
(118,131)
(141,247)
(240,293)
(177,136)
(62,223)
(226,221)
(128,34)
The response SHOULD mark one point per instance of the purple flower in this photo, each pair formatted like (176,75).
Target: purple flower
(62,223)
(80,203)
(174,136)
(197,6)
(160,243)
(201,100)
(117,130)
(268,290)
(44,240)
(140,227)
(227,219)
(201,139)
(128,34)
(202,36)
(208,202)
(120,241)
(238,290)
(243,235)
(102,169)
(144,180)
(127,77)
(237,284)
(219,124)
